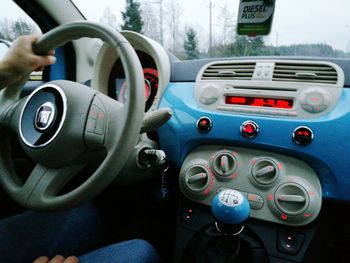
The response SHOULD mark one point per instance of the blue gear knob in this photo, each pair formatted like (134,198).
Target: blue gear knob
(230,207)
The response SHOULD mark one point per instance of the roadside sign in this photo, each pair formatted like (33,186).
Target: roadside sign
(255,17)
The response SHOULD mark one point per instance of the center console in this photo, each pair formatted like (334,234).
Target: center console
(279,188)
(261,128)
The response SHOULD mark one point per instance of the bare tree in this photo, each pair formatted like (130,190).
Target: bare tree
(22,27)
(109,18)
(174,12)
(227,23)
(150,21)
(5,29)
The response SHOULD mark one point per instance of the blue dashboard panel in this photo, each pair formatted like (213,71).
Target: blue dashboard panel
(58,70)
(328,154)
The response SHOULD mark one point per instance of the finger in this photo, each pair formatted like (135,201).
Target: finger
(71,259)
(41,260)
(41,68)
(57,259)
(51,53)
(51,60)
(35,37)
(44,61)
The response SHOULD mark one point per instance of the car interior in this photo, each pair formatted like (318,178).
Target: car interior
(159,144)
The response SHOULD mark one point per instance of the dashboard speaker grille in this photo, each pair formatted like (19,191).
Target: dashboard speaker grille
(229,71)
(296,72)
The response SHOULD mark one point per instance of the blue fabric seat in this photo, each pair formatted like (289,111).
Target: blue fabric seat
(132,251)
(77,231)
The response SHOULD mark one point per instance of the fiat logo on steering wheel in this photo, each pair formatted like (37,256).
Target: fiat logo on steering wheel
(45,116)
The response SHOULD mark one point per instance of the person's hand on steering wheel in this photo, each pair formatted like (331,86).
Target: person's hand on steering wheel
(20,60)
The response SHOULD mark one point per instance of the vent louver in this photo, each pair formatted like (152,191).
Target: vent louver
(297,72)
(229,71)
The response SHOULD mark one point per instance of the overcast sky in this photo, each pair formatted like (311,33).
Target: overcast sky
(295,21)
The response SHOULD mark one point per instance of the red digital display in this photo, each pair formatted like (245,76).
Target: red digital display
(260,102)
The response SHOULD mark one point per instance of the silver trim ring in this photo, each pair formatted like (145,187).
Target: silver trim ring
(210,124)
(257,129)
(64,113)
(303,127)
(234,234)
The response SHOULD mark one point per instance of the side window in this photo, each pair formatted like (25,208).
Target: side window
(14,22)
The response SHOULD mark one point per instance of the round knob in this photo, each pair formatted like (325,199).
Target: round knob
(209,94)
(265,171)
(291,199)
(197,178)
(224,164)
(230,207)
(315,100)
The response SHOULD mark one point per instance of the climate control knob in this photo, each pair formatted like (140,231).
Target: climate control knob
(265,171)
(197,178)
(224,164)
(291,199)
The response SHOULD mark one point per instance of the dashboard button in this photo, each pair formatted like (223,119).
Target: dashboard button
(255,205)
(249,129)
(320,108)
(292,114)
(204,124)
(209,94)
(289,243)
(303,135)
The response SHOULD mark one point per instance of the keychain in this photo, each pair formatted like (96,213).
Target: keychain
(162,194)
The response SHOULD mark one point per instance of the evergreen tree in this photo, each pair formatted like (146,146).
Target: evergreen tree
(132,17)
(191,44)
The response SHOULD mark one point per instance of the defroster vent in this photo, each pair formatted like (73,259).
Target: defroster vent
(229,71)
(297,72)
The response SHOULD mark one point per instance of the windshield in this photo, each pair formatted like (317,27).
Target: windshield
(201,29)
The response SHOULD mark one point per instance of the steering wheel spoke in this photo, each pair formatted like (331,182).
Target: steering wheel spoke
(10,115)
(44,183)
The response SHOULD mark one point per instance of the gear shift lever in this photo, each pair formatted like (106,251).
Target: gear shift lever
(222,243)
(230,209)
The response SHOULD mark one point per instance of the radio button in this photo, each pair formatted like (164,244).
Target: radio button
(292,114)
(318,109)
(282,113)
(315,100)
(307,107)
(209,94)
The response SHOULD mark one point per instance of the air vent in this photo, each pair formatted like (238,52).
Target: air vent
(229,71)
(295,72)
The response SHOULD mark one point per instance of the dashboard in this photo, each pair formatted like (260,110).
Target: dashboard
(274,129)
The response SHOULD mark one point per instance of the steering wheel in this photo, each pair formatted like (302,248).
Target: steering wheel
(63,125)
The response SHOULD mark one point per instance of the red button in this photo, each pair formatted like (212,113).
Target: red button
(249,129)
(204,124)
